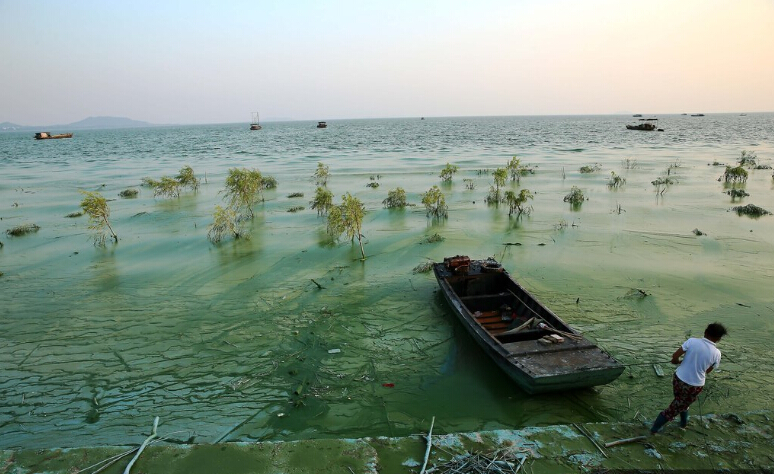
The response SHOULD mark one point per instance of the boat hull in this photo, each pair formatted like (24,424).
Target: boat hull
(535,367)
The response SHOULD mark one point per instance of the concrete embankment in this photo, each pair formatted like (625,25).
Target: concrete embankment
(722,441)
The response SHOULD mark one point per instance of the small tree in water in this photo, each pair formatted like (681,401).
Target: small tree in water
(448,172)
(243,190)
(517,170)
(225,223)
(321,175)
(435,202)
(187,179)
(500,175)
(395,199)
(97,208)
(516,202)
(347,217)
(323,201)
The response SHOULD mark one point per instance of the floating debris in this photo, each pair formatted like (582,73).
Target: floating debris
(698,232)
(501,461)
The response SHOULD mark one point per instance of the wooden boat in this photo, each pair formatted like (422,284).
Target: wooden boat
(516,330)
(254,125)
(649,127)
(322,125)
(48,136)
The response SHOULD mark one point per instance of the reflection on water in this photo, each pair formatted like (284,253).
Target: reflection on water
(236,342)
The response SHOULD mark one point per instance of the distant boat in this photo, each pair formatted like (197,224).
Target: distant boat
(697,115)
(646,126)
(322,125)
(637,115)
(48,136)
(254,125)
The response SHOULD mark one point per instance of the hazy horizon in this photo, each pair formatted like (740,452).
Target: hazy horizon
(200,63)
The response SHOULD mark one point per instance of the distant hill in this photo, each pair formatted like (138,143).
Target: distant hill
(9,126)
(107,122)
(88,123)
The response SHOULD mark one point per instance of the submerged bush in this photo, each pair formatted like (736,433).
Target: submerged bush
(498,177)
(323,201)
(296,195)
(225,224)
(615,181)
(735,175)
(750,210)
(517,202)
(187,179)
(517,170)
(321,175)
(662,183)
(435,202)
(469,183)
(590,169)
(629,164)
(737,193)
(435,238)
(129,193)
(268,182)
(243,189)
(347,218)
(23,229)
(576,196)
(74,214)
(373,184)
(748,159)
(396,199)
(296,209)
(448,172)
(97,208)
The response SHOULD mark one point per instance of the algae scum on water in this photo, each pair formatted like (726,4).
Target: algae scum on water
(289,334)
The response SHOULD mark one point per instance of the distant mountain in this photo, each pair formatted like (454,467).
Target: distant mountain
(9,126)
(88,123)
(107,122)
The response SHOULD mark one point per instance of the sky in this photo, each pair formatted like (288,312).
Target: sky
(186,62)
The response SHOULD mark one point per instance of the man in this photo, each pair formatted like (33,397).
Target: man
(701,357)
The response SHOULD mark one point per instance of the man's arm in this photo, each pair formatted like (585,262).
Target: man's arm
(676,356)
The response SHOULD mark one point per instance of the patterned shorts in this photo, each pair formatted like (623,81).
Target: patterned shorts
(684,395)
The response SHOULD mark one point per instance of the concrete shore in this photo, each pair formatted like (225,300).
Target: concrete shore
(730,441)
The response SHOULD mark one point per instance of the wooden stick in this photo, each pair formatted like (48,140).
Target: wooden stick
(588,435)
(429,444)
(625,441)
(319,286)
(142,446)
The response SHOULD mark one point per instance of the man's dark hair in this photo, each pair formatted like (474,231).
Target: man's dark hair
(715,331)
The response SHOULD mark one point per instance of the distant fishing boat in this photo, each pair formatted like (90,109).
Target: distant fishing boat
(697,115)
(254,125)
(48,136)
(646,126)
(322,125)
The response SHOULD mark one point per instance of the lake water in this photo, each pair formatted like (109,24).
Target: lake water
(232,342)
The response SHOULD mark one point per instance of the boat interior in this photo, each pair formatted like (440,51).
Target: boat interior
(503,308)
